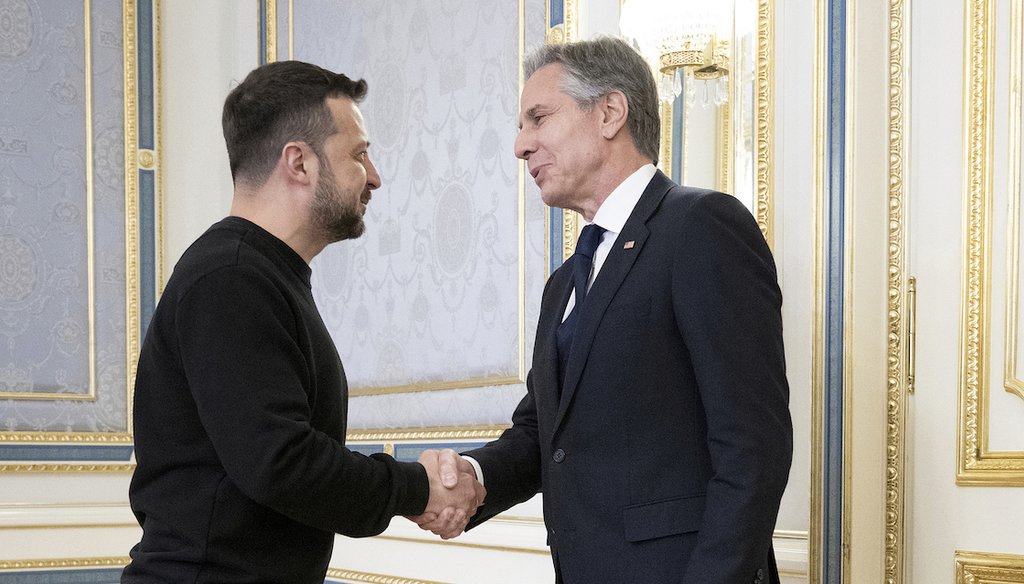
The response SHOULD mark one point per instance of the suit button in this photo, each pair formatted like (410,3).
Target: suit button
(559,455)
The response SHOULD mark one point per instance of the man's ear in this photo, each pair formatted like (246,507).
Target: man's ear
(299,162)
(614,111)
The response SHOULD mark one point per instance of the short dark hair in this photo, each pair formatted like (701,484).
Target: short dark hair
(276,104)
(594,68)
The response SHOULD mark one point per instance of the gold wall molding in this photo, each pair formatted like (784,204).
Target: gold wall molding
(437,433)
(116,468)
(896,373)
(106,562)
(131,202)
(988,568)
(764,119)
(65,438)
(819,255)
(724,131)
(976,464)
(1011,382)
(364,577)
(158,107)
(665,153)
(270,24)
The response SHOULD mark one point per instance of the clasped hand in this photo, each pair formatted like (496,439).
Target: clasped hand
(455,493)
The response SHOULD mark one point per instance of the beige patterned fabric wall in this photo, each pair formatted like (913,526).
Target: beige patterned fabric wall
(433,309)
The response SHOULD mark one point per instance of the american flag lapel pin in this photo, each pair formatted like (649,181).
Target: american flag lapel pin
(629,244)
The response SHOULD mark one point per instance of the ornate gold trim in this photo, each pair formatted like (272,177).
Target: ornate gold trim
(65,438)
(365,577)
(435,433)
(124,467)
(725,151)
(665,156)
(270,17)
(817,505)
(131,204)
(90,185)
(765,119)
(988,568)
(476,546)
(896,376)
(1011,382)
(459,384)
(161,275)
(976,465)
(105,562)
(147,159)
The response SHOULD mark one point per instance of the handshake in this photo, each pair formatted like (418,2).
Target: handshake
(455,493)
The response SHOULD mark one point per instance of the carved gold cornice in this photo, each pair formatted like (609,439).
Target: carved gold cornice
(896,375)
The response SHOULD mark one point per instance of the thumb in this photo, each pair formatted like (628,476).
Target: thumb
(448,461)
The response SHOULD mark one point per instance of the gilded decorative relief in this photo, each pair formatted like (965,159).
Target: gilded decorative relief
(988,568)
(895,486)
(1012,377)
(977,464)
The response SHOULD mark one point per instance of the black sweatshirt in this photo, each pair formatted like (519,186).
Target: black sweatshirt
(240,417)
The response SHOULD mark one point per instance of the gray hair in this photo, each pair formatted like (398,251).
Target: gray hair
(595,68)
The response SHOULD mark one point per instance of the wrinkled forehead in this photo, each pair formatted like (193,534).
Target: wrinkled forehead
(544,87)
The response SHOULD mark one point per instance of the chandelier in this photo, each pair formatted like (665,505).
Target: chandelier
(683,39)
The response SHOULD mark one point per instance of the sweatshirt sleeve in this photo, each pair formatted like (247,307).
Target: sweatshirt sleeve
(238,338)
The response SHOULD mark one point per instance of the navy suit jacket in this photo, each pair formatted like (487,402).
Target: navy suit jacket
(664,454)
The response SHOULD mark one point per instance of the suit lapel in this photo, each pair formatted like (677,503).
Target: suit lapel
(546,350)
(616,266)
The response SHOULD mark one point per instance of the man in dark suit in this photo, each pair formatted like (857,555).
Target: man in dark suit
(656,420)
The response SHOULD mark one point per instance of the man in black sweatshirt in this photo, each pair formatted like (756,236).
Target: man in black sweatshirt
(240,398)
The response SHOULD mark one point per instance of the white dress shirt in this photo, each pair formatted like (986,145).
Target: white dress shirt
(612,215)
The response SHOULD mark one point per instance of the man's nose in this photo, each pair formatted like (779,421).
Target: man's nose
(524,146)
(372,178)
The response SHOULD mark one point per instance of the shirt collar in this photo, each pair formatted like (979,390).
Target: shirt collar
(616,209)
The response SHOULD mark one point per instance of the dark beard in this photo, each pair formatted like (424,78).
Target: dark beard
(330,215)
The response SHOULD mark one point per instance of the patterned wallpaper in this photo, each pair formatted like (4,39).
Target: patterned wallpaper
(62,217)
(443,290)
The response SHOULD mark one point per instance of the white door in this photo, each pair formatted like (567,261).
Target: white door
(964,513)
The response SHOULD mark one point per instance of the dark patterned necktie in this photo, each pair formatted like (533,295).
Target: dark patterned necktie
(582,262)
